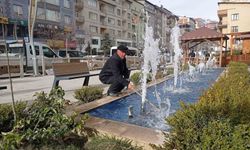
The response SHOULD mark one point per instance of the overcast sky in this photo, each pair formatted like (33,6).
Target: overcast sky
(206,9)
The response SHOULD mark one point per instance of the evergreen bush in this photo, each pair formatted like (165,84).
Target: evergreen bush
(110,143)
(88,94)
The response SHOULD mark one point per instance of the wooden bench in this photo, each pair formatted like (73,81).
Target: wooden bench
(68,71)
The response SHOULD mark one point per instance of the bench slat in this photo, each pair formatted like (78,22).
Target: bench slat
(65,69)
(68,71)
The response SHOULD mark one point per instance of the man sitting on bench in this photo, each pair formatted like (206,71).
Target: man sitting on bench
(116,73)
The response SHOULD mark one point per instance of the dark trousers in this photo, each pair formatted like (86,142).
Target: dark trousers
(115,86)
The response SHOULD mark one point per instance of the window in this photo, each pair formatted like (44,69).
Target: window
(18,10)
(118,12)
(129,15)
(129,35)
(95,41)
(47,52)
(119,33)
(67,20)
(92,16)
(129,25)
(111,9)
(62,53)
(119,22)
(111,21)
(66,3)
(55,2)
(112,32)
(93,29)
(40,13)
(92,3)
(234,29)
(235,17)
(36,49)
(1,10)
(52,15)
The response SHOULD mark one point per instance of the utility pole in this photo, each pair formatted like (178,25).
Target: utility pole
(31,23)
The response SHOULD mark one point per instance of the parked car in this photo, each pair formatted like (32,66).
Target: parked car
(71,53)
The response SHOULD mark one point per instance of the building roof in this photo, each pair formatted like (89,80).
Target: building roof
(203,33)
(244,36)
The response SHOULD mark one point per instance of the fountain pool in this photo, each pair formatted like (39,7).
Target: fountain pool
(154,117)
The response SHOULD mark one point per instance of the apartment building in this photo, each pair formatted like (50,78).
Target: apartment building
(186,24)
(162,21)
(138,24)
(55,23)
(234,21)
(199,22)
(15,14)
(116,19)
(166,20)
(75,23)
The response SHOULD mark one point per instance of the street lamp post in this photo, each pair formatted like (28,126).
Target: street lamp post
(31,23)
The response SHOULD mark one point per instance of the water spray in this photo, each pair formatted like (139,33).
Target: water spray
(146,100)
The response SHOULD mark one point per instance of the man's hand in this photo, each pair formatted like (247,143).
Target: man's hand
(131,86)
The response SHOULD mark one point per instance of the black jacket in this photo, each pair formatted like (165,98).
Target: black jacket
(115,69)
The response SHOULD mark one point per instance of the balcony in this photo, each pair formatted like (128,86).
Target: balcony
(103,12)
(109,2)
(104,23)
(222,25)
(222,12)
(80,19)
(79,5)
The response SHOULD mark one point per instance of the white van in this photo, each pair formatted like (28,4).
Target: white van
(132,56)
(18,48)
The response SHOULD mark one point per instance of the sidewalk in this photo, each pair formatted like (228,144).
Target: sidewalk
(25,88)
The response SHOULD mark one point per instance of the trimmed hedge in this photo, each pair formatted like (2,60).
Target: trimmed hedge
(219,120)
(88,94)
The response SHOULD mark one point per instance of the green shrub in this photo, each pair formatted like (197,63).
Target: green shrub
(45,124)
(219,120)
(228,138)
(88,94)
(7,117)
(237,52)
(110,143)
(137,77)
(170,71)
(185,67)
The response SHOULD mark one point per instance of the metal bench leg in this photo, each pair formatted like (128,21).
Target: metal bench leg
(56,83)
(86,81)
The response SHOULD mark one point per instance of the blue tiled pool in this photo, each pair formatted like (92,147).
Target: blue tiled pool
(155,118)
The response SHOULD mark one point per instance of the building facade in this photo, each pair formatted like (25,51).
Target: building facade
(186,24)
(162,21)
(16,14)
(81,24)
(55,21)
(233,21)
(118,20)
